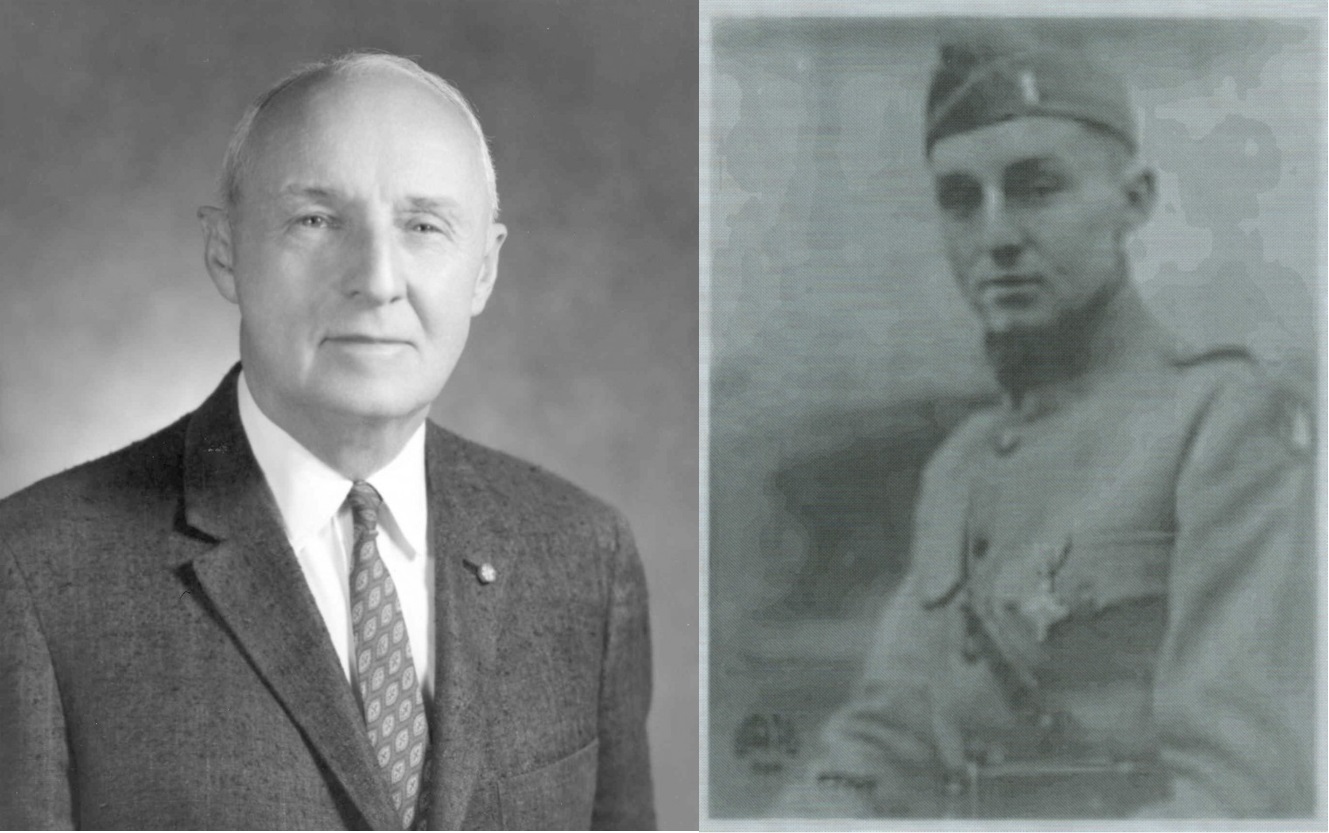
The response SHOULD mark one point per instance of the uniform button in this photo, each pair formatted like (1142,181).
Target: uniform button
(1007,440)
(978,547)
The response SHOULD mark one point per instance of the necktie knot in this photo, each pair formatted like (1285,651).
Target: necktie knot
(364,501)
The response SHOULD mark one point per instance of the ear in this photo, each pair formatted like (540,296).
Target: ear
(484,282)
(1141,194)
(218,251)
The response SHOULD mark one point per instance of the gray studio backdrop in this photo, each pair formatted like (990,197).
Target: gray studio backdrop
(115,117)
(841,352)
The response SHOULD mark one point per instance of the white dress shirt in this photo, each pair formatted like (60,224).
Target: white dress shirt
(312,496)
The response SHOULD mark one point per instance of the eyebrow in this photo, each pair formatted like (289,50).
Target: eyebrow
(1033,163)
(437,205)
(311,191)
(1024,163)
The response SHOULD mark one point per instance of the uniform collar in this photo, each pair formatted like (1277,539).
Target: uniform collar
(309,493)
(1127,338)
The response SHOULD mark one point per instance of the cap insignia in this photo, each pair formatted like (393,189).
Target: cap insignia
(1029,87)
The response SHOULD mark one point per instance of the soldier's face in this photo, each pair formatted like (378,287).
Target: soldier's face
(361,246)
(1034,212)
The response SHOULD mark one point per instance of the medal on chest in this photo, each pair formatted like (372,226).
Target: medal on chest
(1042,607)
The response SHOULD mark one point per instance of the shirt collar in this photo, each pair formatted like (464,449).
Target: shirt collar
(309,492)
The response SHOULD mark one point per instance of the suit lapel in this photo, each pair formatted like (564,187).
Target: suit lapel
(467,532)
(256,586)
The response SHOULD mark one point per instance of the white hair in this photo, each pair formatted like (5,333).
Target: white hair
(237,149)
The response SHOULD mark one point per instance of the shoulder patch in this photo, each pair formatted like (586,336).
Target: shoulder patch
(1297,428)
(1218,353)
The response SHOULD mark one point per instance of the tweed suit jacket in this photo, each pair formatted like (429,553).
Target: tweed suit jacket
(164,664)
(1111,607)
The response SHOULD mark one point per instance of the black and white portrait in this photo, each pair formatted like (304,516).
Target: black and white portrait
(1014,402)
(348,440)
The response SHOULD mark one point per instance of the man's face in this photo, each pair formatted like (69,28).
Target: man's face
(360,248)
(1034,211)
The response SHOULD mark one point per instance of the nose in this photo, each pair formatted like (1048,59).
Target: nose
(1001,236)
(1005,256)
(372,272)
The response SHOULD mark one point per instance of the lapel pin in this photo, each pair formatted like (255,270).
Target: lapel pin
(487,573)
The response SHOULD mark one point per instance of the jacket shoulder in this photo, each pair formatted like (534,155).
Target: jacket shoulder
(60,526)
(1238,370)
(128,479)
(530,496)
(1258,403)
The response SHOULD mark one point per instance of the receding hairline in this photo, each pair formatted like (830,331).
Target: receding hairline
(309,78)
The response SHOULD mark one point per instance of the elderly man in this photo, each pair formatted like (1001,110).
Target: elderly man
(304,605)
(1111,605)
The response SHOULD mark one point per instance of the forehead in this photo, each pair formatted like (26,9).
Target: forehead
(989,150)
(378,131)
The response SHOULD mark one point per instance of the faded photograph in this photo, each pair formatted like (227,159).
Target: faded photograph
(1014,403)
(348,395)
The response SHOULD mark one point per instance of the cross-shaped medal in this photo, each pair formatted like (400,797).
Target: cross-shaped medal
(1042,608)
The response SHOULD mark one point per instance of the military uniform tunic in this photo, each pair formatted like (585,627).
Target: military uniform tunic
(1110,610)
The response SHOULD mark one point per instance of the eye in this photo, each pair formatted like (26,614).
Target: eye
(431,228)
(959,196)
(1034,187)
(315,221)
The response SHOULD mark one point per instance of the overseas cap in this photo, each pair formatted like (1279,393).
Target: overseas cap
(977,84)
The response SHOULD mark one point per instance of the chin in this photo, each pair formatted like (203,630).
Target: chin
(376,398)
(1001,322)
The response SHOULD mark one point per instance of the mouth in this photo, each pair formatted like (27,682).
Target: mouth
(357,338)
(1008,287)
(367,344)
(1009,282)
(1009,293)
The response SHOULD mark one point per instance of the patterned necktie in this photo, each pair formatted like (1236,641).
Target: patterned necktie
(384,672)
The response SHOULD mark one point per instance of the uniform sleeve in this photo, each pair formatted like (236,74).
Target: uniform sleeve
(624,798)
(1235,681)
(34,757)
(877,755)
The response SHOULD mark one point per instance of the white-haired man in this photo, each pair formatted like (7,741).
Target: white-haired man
(303,605)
